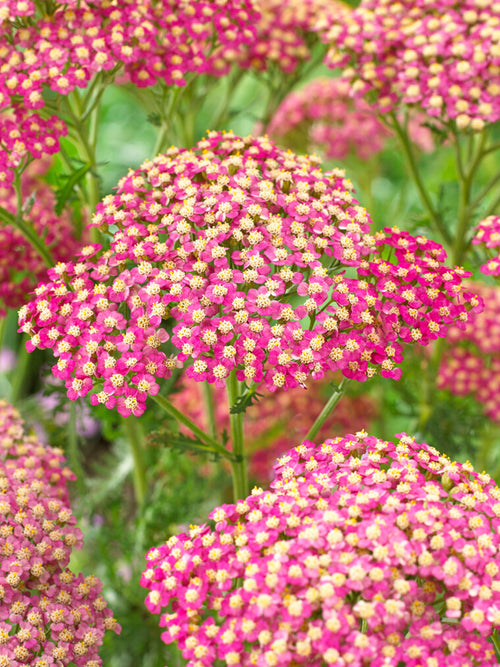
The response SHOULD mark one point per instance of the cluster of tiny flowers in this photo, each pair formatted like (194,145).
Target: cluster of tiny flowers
(25,136)
(21,266)
(471,363)
(487,233)
(331,120)
(240,249)
(49,617)
(68,45)
(274,425)
(363,552)
(443,57)
(286,31)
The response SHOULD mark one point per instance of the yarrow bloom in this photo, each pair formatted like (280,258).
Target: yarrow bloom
(331,119)
(70,43)
(442,57)
(471,361)
(48,615)
(336,123)
(363,552)
(21,267)
(235,252)
(285,30)
(487,233)
(273,426)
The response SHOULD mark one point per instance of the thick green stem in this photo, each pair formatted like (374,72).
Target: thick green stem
(21,373)
(424,195)
(324,414)
(29,234)
(208,399)
(134,434)
(211,444)
(239,462)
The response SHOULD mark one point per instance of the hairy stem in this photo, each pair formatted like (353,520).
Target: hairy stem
(135,436)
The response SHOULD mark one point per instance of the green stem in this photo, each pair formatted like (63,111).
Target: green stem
(211,444)
(134,434)
(210,409)
(329,407)
(29,234)
(21,373)
(239,462)
(74,454)
(424,196)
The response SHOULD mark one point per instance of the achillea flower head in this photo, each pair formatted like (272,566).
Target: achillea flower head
(285,30)
(342,561)
(442,57)
(70,43)
(239,249)
(48,615)
(21,267)
(273,426)
(471,362)
(331,119)
(488,234)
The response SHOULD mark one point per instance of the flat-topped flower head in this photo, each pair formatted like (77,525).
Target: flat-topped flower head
(21,267)
(439,56)
(48,615)
(63,46)
(331,120)
(241,256)
(362,552)
(286,32)
(471,363)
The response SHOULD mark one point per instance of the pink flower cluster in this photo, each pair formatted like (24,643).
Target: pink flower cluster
(236,253)
(442,56)
(25,136)
(487,233)
(471,362)
(49,617)
(332,119)
(338,123)
(285,32)
(273,426)
(363,552)
(72,42)
(21,267)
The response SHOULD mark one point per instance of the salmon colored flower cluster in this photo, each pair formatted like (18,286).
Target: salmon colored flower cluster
(487,233)
(273,425)
(240,256)
(471,362)
(443,57)
(363,552)
(21,267)
(49,617)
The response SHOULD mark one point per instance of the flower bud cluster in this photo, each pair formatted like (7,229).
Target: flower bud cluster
(236,252)
(488,234)
(471,363)
(21,266)
(362,552)
(443,57)
(273,425)
(49,617)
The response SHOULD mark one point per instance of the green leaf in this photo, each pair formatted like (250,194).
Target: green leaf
(245,400)
(64,193)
